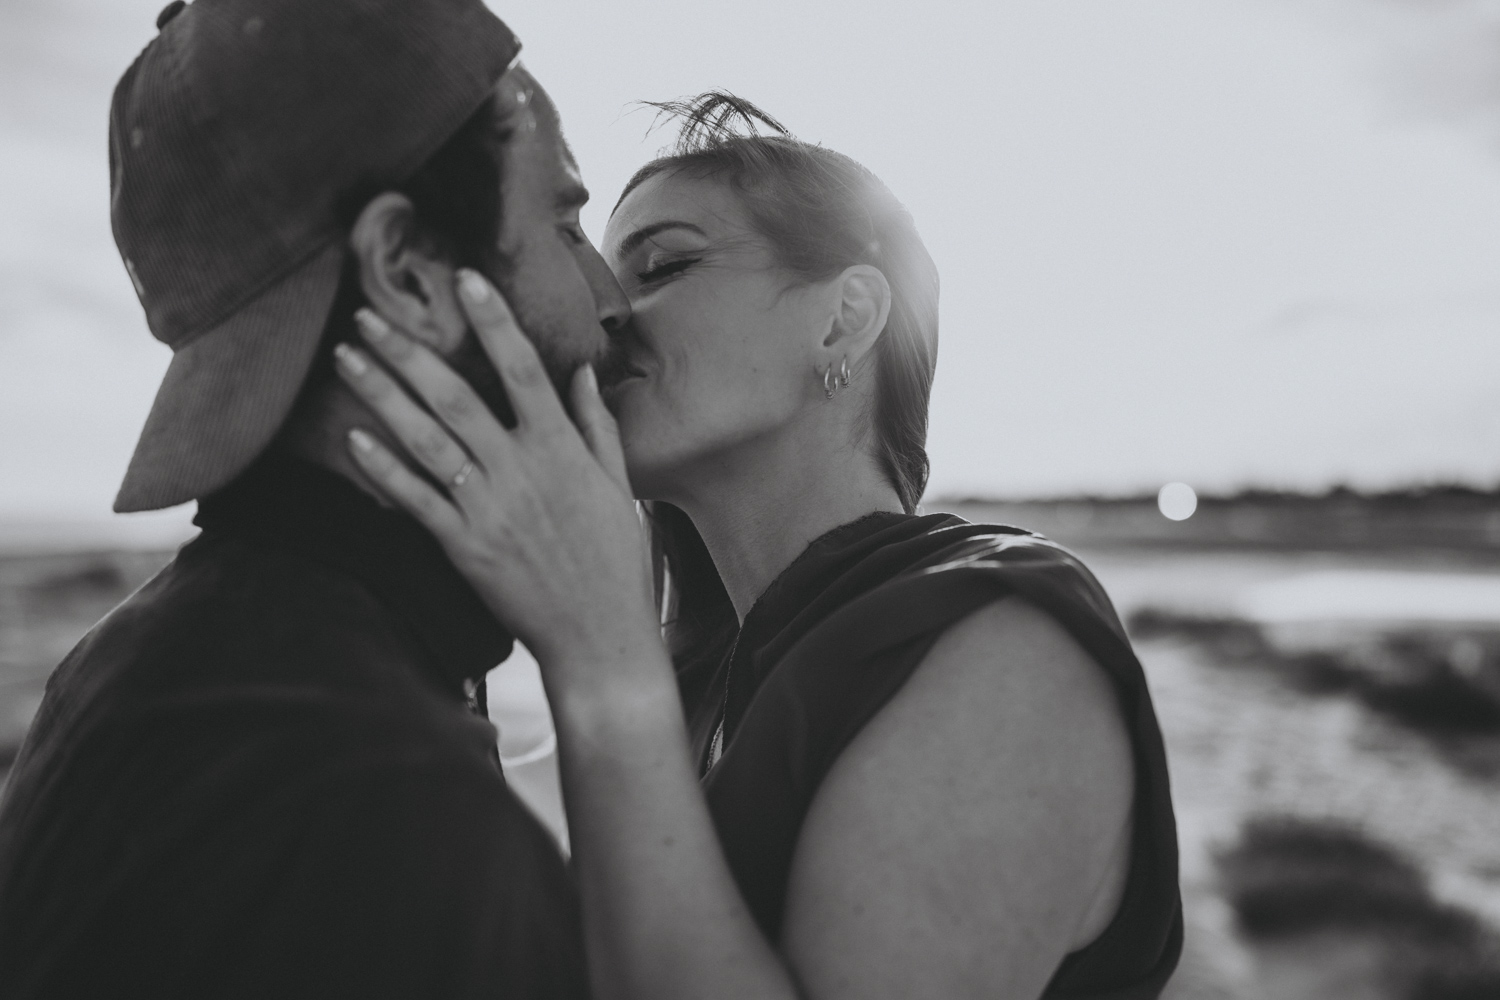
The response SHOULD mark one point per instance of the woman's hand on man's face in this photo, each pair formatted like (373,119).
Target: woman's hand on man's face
(538,518)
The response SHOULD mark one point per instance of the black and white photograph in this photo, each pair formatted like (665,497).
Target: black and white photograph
(814,500)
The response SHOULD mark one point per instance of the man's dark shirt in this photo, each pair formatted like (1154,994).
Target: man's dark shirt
(258,777)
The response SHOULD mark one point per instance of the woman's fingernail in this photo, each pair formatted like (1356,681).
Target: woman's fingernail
(371,324)
(590,379)
(362,441)
(350,359)
(472,286)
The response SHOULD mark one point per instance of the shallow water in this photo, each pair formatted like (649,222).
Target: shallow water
(1241,742)
(1385,597)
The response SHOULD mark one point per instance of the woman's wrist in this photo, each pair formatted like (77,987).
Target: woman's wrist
(622,674)
(624,717)
(585,656)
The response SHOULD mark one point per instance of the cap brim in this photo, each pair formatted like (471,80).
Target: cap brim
(227,393)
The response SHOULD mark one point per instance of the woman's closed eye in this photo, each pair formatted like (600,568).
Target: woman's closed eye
(657,271)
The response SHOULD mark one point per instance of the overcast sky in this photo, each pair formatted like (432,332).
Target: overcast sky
(1247,242)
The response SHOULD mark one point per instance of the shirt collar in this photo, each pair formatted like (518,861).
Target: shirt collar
(322,516)
(835,568)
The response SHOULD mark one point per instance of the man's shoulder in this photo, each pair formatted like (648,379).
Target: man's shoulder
(260,812)
(228,612)
(240,682)
(232,650)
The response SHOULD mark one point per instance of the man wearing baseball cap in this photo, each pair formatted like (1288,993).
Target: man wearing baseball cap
(263,775)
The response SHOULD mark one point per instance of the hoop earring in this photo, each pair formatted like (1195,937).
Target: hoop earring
(830,381)
(843,373)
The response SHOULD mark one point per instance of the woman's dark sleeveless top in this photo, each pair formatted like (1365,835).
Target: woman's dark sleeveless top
(838,633)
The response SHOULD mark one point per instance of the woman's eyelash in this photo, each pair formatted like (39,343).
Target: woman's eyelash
(666,270)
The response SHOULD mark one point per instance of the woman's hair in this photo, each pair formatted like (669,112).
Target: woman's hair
(820,212)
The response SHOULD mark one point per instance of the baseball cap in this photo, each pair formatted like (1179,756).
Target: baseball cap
(235,140)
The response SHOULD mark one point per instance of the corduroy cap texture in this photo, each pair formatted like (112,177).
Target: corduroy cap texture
(234,141)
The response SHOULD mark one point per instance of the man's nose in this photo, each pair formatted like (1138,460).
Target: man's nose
(610,300)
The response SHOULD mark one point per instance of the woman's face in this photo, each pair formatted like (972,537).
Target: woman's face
(720,351)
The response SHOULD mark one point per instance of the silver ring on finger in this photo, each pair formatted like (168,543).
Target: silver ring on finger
(461,476)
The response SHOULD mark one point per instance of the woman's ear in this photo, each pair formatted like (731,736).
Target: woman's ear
(401,275)
(863,306)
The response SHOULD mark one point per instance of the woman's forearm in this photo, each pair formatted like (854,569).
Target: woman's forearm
(663,917)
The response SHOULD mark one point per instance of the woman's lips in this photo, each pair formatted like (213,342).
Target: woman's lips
(621,373)
(616,368)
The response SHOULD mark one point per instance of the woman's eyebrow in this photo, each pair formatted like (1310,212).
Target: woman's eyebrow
(635,239)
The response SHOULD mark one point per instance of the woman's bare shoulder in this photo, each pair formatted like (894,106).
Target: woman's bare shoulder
(976,830)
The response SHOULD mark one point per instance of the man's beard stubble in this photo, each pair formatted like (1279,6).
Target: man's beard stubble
(475,367)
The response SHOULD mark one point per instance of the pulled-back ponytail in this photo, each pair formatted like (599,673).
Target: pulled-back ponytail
(820,212)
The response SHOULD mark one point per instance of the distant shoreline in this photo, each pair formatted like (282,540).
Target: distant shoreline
(1460,522)
(1450,518)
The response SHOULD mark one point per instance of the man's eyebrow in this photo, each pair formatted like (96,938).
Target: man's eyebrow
(635,239)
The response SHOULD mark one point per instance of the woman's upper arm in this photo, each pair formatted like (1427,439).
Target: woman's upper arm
(976,830)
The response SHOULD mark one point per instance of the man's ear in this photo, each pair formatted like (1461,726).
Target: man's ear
(862,304)
(402,276)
